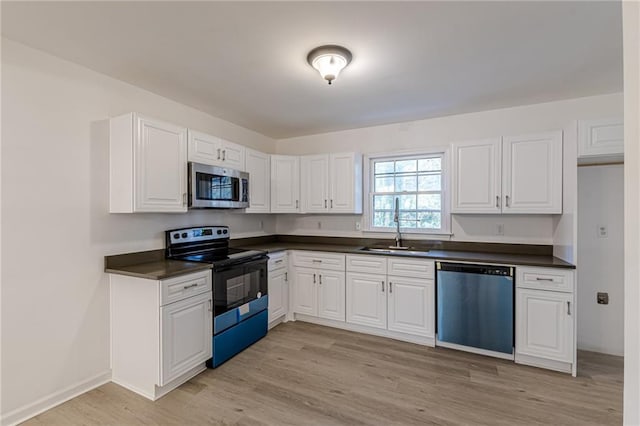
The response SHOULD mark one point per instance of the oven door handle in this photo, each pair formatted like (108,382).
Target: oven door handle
(235,265)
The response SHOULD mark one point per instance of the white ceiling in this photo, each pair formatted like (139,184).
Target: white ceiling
(246,61)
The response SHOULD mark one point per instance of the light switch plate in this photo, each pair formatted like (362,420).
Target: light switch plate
(603,231)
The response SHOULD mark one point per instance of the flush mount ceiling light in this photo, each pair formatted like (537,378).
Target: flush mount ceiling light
(329,60)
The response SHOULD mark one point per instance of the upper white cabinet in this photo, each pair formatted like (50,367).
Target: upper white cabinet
(258,165)
(285,184)
(207,149)
(331,183)
(147,165)
(600,138)
(509,175)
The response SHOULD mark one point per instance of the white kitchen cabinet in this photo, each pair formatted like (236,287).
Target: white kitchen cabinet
(476,179)
(258,165)
(544,324)
(147,165)
(278,287)
(186,335)
(305,297)
(215,151)
(601,139)
(410,303)
(366,299)
(161,331)
(331,183)
(512,175)
(545,318)
(285,184)
(532,173)
(331,295)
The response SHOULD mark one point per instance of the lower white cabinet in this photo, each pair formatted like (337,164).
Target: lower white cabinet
(278,287)
(545,318)
(319,293)
(367,300)
(410,303)
(161,331)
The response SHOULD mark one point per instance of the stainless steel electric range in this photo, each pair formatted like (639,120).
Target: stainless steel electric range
(239,286)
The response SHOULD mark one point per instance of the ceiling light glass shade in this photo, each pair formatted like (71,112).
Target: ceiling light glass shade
(329,61)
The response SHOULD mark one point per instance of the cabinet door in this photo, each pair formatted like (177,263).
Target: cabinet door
(411,306)
(285,184)
(544,324)
(331,295)
(205,149)
(277,296)
(232,155)
(476,176)
(367,300)
(532,173)
(604,137)
(160,167)
(257,164)
(186,333)
(314,175)
(305,298)
(345,176)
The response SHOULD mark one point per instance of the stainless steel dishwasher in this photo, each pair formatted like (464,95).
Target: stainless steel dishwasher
(475,308)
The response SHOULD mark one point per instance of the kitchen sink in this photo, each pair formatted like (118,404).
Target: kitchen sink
(391,250)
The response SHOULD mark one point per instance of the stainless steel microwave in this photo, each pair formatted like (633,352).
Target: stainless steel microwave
(212,187)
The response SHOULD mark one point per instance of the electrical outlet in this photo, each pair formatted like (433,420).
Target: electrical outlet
(319,225)
(358,225)
(500,229)
(261,224)
(603,231)
(602,298)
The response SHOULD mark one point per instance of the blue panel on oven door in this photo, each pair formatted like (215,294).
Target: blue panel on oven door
(224,321)
(254,307)
(234,340)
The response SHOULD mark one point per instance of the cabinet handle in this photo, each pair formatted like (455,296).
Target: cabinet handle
(184,198)
(296,204)
(382,286)
(224,155)
(314,278)
(568,308)
(316,261)
(191,285)
(278,261)
(544,279)
(331,203)
(507,197)
(390,287)
(286,276)
(497,201)
(210,306)
(320,276)
(218,153)
(325,204)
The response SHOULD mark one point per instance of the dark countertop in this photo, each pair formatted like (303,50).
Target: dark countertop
(159,269)
(497,258)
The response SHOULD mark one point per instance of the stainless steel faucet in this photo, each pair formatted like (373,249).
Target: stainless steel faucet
(396,219)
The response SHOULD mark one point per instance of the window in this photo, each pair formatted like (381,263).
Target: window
(416,184)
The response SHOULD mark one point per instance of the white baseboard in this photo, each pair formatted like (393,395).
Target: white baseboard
(43,404)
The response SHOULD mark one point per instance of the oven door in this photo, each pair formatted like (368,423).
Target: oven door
(235,285)
(217,187)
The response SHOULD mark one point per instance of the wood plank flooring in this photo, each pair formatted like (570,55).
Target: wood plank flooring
(304,374)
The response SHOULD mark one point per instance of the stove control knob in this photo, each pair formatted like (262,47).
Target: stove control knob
(176,236)
(219,232)
(225,232)
(184,235)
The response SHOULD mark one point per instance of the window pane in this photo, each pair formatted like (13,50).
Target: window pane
(383,202)
(384,167)
(430,164)
(383,219)
(429,202)
(429,220)
(407,202)
(406,183)
(429,183)
(407,219)
(406,166)
(384,184)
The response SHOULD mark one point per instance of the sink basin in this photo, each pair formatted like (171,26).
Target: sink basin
(389,250)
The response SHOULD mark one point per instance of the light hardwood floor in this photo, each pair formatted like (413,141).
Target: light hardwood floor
(304,374)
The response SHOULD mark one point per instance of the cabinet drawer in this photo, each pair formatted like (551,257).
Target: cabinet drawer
(184,286)
(404,267)
(319,260)
(367,264)
(277,261)
(545,279)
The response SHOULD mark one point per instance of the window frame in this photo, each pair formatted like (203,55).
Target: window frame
(442,151)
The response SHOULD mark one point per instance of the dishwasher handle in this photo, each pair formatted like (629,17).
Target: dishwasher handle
(469,268)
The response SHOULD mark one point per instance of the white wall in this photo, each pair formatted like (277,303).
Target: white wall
(442,131)
(601,260)
(56,228)
(631,52)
